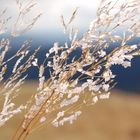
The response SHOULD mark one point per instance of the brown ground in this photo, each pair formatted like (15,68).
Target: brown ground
(115,119)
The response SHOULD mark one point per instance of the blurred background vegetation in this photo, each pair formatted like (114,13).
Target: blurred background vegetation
(115,119)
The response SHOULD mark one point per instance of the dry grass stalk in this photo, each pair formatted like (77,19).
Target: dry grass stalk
(60,98)
(11,80)
(22,26)
(11,84)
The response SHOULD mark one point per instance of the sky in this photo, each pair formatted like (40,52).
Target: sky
(53,9)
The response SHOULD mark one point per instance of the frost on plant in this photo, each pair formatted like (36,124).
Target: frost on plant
(81,79)
(10,84)
(11,80)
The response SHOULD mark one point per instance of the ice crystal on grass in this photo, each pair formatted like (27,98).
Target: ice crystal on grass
(13,77)
(83,80)
(73,81)
(10,87)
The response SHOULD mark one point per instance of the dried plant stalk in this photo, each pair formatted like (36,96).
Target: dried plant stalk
(81,80)
(11,84)
(12,78)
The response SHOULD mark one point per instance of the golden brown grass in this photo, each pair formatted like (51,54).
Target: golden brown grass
(115,119)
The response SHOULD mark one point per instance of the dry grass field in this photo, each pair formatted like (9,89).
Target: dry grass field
(115,119)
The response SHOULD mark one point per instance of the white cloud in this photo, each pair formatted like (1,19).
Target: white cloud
(52,9)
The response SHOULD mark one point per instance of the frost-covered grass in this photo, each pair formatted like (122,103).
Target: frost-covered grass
(116,118)
(64,78)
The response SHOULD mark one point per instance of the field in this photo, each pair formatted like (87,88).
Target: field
(115,119)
